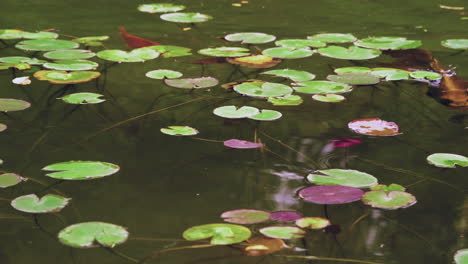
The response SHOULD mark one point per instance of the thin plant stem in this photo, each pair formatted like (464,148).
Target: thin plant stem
(359,219)
(209,140)
(122,255)
(158,239)
(330,259)
(158,252)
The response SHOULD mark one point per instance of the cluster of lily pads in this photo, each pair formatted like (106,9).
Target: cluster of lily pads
(171,13)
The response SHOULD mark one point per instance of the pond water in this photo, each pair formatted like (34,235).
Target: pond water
(167,184)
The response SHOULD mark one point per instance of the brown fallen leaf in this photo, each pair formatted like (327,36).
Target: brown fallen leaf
(261,246)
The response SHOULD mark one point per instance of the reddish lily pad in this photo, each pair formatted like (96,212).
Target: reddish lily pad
(282,232)
(374,127)
(261,246)
(345,142)
(331,194)
(241,144)
(245,216)
(285,216)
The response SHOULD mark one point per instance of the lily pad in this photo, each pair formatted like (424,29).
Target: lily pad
(354,78)
(341,177)
(160,8)
(3,127)
(250,38)
(286,100)
(245,216)
(136,55)
(266,115)
(328,98)
(62,77)
(21,80)
(71,54)
(9,105)
(263,89)
(447,160)
(333,37)
(331,194)
(300,43)
(322,87)
(355,69)
(391,74)
(461,256)
(285,216)
(192,83)
(241,144)
(232,112)
(169,51)
(163,74)
(179,131)
(93,234)
(186,17)
(19,66)
(10,179)
(71,65)
(391,201)
(351,53)
(388,43)
(389,188)
(262,246)
(282,232)
(19,34)
(288,53)
(50,203)
(294,75)
(426,75)
(92,41)
(313,222)
(257,61)
(374,127)
(19,59)
(80,170)
(46,44)
(455,44)
(220,234)
(225,52)
(83,98)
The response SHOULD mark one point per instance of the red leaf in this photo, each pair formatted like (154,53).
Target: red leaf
(134,41)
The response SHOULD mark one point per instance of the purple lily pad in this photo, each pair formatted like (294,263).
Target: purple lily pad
(345,142)
(374,127)
(331,194)
(285,216)
(245,216)
(241,144)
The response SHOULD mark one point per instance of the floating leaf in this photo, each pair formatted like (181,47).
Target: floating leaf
(294,75)
(391,201)
(9,105)
(391,74)
(72,54)
(355,69)
(241,144)
(328,98)
(169,51)
(354,78)
(10,179)
(225,52)
(62,77)
(19,34)
(233,112)
(374,127)
(263,89)
(91,41)
(286,100)
(81,170)
(345,142)
(160,8)
(426,75)
(22,80)
(341,177)
(266,115)
(93,234)
(282,232)
(331,194)
(136,55)
(461,256)
(255,61)
(83,98)
(163,74)
(447,160)
(288,53)
(179,131)
(333,37)
(388,43)
(19,66)
(19,59)
(220,234)
(389,188)
(300,43)
(46,44)
(321,87)
(71,65)
(192,83)
(250,38)
(313,222)
(245,216)
(50,203)
(455,44)
(261,246)
(351,53)
(3,127)
(186,17)
(285,216)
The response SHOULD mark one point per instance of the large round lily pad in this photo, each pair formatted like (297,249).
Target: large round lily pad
(225,52)
(282,232)
(46,44)
(322,87)
(455,43)
(351,53)
(72,54)
(313,222)
(71,65)
(163,74)
(266,115)
(10,179)
(241,144)
(245,216)
(300,43)
(354,78)
(294,75)
(220,234)
(186,17)
(50,203)
(179,131)
(288,52)
(328,98)
(331,194)
(333,37)
(136,55)
(93,234)
(285,216)
(286,100)
(192,83)
(461,256)
(231,111)
(388,43)
(374,127)
(80,170)
(83,98)
(20,59)
(9,105)
(447,160)
(263,89)
(63,77)
(250,38)
(351,178)
(169,51)
(388,200)
(160,8)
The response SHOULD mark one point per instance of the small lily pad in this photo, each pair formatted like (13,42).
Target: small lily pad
(285,216)
(455,44)
(328,98)
(91,41)
(322,87)
(389,188)
(71,65)
(241,144)
(374,127)
(262,246)
(263,89)
(225,52)
(83,98)
(46,44)
(136,55)
(355,69)
(447,160)
(294,75)
(333,37)
(160,8)
(232,112)
(50,203)
(163,74)
(286,100)
(288,53)
(391,74)
(93,234)
(300,43)
(71,54)
(220,234)
(351,53)
(250,38)
(331,194)
(10,179)
(282,232)
(186,17)
(257,61)
(461,256)
(245,216)
(313,222)
(388,43)
(21,80)
(3,127)
(169,51)
(426,75)
(179,131)
(80,170)
(192,83)
(19,59)
(62,77)
(341,177)
(391,201)
(9,105)
(354,78)
(266,115)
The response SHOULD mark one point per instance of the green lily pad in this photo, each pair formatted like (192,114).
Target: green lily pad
(83,98)
(80,170)
(286,100)
(62,77)
(455,43)
(355,69)
(9,105)
(186,17)
(266,115)
(19,66)
(3,127)
(333,37)
(262,89)
(388,43)
(322,87)
(288,53)
(19,34)
(282,232)
(391,74)
(300,43)
(91,41)
(245,216)
(169,51)
(328,98)
(461,256)
(389,188)
(160,8)
(220,234)
(250,38)
(390,201)
(46,44)
(19,59)
(180,131)
(426,75)
(136,55)
(10,179)
(71,54)
(71,65)
(354,78)
(163,74)
(192,83)
(447,160)
(225,52)
(50,203)
(294,75)
(352,178)
(351,53)
(93,234)
(312,222)
(231,111)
